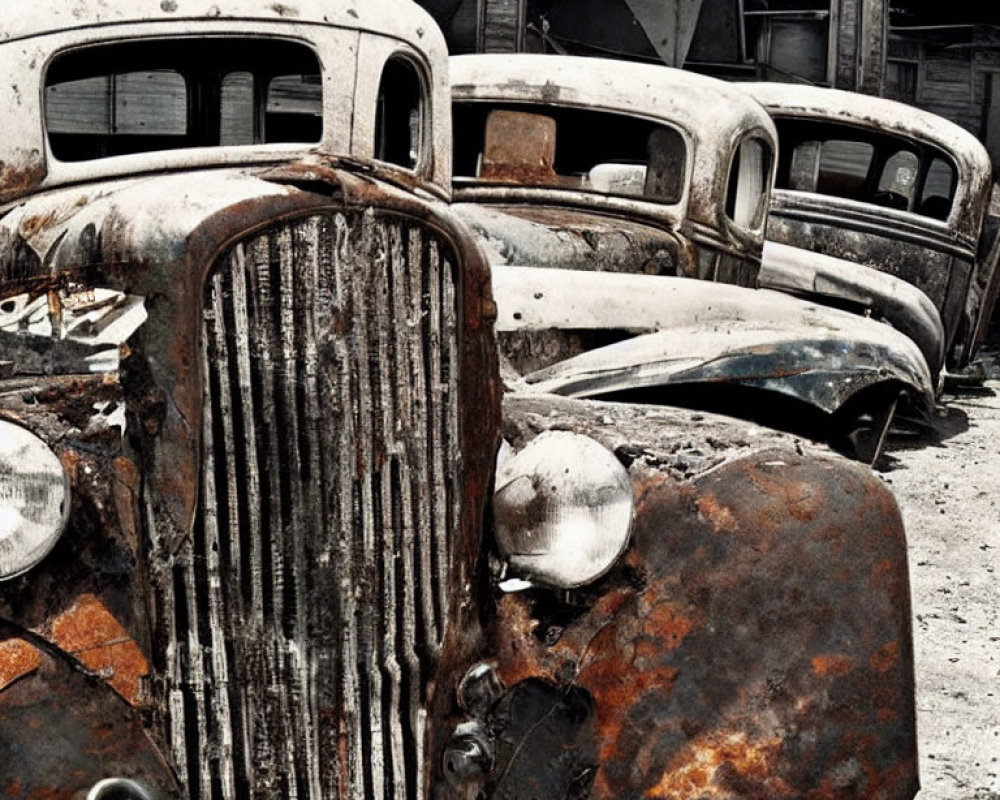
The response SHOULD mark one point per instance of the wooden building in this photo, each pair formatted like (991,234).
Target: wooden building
(952,70)
(837,43)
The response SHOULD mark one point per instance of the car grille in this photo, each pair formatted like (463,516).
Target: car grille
(303,619)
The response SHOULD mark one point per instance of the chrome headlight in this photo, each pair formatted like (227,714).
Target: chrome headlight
(563,509)
(34,500)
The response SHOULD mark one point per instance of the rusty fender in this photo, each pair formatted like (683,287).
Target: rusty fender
(753,642)
(61,727)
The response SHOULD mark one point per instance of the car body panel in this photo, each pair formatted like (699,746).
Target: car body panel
(685,335)
(874,293)
(947,258)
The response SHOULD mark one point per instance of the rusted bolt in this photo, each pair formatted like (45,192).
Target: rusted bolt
(479,689)
(468,757)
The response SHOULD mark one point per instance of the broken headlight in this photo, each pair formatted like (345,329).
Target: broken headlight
(34,499)
(563,509)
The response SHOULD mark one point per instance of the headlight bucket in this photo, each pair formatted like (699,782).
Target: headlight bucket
(563,509)
(34,500)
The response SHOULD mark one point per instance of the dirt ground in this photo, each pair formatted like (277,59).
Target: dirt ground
(948,487)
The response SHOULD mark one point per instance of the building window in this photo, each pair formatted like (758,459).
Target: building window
(789,38)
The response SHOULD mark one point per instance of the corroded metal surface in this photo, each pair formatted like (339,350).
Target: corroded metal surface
(61,731)
(558,237)
(92,596)
(754,642)
(713,116)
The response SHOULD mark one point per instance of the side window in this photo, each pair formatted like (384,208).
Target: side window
(843,168)
(897,181)
(748,190)
(294,109)
(938,191)
(399,116)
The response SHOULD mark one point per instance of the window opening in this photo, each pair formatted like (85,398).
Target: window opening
(600,152)
(748,190)
(165,94)
(866,166)
(399,115)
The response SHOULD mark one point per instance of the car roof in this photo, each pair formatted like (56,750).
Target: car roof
(27,18)
(889,116)
(694,102)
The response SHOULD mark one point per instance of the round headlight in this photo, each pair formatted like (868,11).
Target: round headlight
(563,509)
(34,500)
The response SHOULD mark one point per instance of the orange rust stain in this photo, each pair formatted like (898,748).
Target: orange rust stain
(125,486)
(832,665)
(32,225)
(88,631)
(720,516)
(798,498)
(17,659)
(693,772)
(887,716)
(885,658)
(669,625)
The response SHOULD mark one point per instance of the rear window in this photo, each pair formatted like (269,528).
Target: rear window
(553,147)
(167,94)
(867,166)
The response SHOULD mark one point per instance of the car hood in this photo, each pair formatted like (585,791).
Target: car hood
(877,294)
(570,238)
(687,332)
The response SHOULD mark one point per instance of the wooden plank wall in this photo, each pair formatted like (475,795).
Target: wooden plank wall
(502,20)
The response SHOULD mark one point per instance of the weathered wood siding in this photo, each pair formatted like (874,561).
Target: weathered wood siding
(502,23)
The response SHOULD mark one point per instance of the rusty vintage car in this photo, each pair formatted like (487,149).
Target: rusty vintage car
(870,185)
(601,189)
(249,421)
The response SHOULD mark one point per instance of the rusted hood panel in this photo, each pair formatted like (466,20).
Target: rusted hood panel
(885,297)
(546,236)
(717,334)
(755,642)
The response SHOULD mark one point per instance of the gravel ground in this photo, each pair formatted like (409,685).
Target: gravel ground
(948,487)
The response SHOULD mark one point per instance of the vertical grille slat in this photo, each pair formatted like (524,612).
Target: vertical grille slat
(303,619)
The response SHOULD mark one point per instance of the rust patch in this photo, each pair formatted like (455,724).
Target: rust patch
(88,631)
(885,658)
(22,176)
(835,665)
(711,765)
(17,659)
(800,499)
(722,518)
(519,147)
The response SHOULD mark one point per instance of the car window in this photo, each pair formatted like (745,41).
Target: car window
(554,147)
(748,192)
(938,190)
(399,116)
(165,94)
(843,168)
(865,165)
